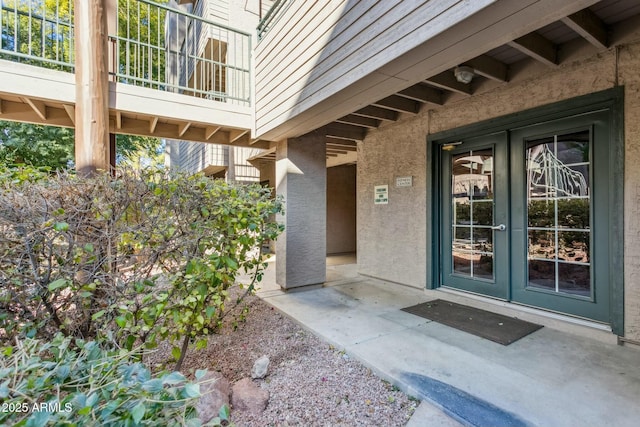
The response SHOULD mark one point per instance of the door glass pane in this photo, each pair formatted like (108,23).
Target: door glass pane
(472,214)
(558,213)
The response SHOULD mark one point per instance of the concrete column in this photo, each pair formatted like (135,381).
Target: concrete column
(92,87)
(301,178)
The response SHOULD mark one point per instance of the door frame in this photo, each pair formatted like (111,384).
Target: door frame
(611,100)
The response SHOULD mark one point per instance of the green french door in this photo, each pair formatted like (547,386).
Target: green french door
(475,215)
(524,215)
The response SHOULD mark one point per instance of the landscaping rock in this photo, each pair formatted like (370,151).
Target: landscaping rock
(215,393)
(247,396)
(260,368)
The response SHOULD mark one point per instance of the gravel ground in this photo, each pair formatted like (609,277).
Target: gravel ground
(310,382)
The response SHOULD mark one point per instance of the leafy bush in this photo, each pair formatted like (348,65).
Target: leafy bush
(76,382)
(135,259)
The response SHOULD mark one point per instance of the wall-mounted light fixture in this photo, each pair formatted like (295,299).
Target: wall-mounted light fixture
(450,145)
(464,74)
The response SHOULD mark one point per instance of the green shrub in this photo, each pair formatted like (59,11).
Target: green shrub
(68,382)
(133,259)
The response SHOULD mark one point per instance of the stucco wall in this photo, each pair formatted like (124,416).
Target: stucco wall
(391,238)
(341,209)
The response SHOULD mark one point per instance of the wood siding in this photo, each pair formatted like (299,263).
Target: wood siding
(320,47)
(324,59)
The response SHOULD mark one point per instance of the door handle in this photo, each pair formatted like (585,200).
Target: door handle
(500,227)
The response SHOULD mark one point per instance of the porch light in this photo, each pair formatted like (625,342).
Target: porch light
(464,74)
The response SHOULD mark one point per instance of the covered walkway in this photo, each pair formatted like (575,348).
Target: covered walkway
(549,378)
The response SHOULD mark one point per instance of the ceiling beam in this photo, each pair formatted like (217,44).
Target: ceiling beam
(589,26)
(488,67)
(341,142)
(343,131)
(537,47)
(447,81)
(38,107)
(352,119)
(377,113)
(182,128)
(235,134)
(210,130)
(422,93)
(399,104)
(71,112)
(153,123)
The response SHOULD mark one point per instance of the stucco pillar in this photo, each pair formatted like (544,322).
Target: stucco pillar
(301,178)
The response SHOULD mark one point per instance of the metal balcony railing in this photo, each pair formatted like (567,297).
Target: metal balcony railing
(37,32)
(152,45)
(272,16)
(172,50)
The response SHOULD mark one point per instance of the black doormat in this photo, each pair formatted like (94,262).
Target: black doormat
(495,327)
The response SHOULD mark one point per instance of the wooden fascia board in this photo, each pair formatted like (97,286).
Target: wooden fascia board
(589,26)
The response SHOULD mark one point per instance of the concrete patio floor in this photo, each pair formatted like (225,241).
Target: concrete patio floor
(549,378)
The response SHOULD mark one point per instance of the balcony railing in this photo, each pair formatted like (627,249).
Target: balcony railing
(272,16)
(151,45)
(175,51)
(37,33)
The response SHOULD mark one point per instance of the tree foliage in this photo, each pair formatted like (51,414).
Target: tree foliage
(51,146)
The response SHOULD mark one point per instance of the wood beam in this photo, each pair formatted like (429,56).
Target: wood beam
(488,67)
(152,124)
(92,147)
(447,81)
(210,130)
(377,113)
(589,26)
(182,128)
(71,111)
(343,131)
(21,112)
(341,142)
(236,134)
(399,104)
(422,93)
(0,106)
(352,119)
(537,47)
(118,120)
(38,107)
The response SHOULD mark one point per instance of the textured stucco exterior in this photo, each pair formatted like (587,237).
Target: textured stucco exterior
(301,180)
(341,209)
(392,238)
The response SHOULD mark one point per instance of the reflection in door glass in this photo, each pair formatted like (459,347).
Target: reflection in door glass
(472,214)
(559,200)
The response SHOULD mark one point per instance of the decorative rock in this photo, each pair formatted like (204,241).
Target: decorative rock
(246,396)
(214,389)
(260,368)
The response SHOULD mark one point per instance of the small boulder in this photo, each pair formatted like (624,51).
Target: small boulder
(247,396)
(214,389)
(260,368)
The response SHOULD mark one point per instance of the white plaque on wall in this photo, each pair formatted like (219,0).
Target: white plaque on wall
(404,181)
(381,195)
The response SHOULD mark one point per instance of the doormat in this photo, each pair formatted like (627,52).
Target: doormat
(495,327)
